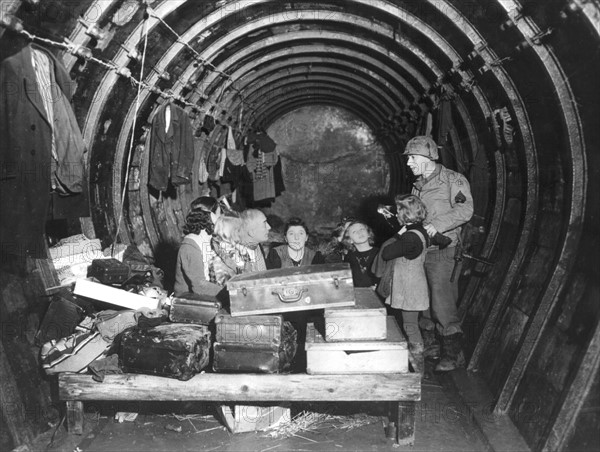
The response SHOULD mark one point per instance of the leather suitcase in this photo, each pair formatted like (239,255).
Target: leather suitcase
(258,330)
(62,317)
(194,308)
(109,271)
(364,321)
(175,350)
(256,344)
(291,289)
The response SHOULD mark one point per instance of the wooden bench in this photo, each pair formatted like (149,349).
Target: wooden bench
(401,391)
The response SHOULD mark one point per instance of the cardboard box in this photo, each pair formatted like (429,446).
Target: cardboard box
(251,418)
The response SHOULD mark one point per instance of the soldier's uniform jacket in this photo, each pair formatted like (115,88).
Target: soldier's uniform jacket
(447,196)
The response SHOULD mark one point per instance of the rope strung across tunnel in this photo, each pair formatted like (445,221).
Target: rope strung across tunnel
(79,51)
(203,61)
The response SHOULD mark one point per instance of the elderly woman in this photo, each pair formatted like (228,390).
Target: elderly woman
(295,253)
(192,273)
(236,244)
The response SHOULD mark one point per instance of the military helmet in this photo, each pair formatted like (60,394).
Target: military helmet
(422,145)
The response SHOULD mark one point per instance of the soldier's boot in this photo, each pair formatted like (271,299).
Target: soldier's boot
(452,354)
(431,345)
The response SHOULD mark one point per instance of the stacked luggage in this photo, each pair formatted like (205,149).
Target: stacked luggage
(256,337)
(179,337)
(356,340)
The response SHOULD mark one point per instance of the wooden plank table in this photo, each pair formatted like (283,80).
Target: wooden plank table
(401,391)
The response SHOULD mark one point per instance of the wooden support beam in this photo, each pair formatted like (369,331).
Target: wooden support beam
(243,387)
(405,426)
(13,409)
(75,417)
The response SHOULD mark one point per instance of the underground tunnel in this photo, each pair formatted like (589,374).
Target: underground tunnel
(505,88)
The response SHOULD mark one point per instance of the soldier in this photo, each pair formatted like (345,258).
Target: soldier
(447,196)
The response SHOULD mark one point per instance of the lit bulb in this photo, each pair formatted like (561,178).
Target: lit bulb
(124,72)
(11,22)
(83,52)
(133,54)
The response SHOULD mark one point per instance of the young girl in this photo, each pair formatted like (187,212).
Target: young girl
(359,239)
(409,291)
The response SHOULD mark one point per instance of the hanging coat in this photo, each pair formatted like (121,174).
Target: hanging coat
(26,149)
(171,148)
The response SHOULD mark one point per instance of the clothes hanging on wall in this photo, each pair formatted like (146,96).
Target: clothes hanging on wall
(265,143)
(208,124)
(263,179)
(213,162)
(259,140)
(171,147)
(234,163)
(41,144)
(200,159)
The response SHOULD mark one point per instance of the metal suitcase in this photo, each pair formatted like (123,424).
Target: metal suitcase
(175,350)
(109,271)
(291,289)
(194,308)
(256,344)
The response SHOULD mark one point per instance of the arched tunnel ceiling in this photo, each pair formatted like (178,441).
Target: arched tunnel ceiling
(376,58)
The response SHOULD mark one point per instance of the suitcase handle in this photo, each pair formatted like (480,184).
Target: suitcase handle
(289,294)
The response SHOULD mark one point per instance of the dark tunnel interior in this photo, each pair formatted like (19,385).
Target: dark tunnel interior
(517,81)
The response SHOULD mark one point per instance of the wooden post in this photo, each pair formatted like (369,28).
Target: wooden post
(75,416)
(13,409)
(405,427)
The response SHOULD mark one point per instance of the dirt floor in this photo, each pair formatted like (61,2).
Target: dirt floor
(445,421)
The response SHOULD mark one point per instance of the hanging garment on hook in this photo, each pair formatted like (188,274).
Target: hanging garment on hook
(171,148)
(29,167)
(208,124)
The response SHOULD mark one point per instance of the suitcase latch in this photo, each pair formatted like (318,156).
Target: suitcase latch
(289,294)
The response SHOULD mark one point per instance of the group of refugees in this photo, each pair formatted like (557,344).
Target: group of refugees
(412,270)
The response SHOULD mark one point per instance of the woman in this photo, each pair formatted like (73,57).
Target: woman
(195,254)
(335,251)
(409,290)
(236,244)
(359,239)
(294,253)
(228,261)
